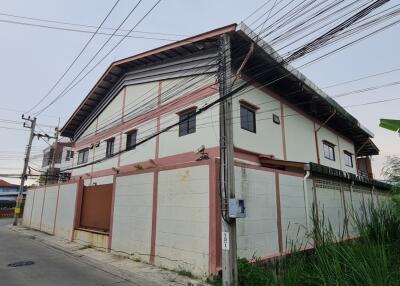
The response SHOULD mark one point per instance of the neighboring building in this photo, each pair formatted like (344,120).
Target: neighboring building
(295,148)
(8,194)
(62,154)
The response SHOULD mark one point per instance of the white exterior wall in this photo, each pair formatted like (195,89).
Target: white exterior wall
(183,219)
(66,210)
(257,234)
(268,136)
(325,134)
(133,215)
(299,134)
(37,208)
(142,152)
(207,131)
(26,217)
(138,94)
(49,209)
(331,208)
(346,145)
(293,211)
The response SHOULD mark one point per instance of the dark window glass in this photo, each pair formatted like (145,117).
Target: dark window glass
(68,155)
(110,147)
(187,123)
(247,119)
(131,140)
(83,156)
(329,151)
(348,159)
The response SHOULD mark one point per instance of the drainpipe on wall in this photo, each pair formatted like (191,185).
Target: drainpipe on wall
(305,188)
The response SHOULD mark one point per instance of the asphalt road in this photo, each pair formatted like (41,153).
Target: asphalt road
(52,267)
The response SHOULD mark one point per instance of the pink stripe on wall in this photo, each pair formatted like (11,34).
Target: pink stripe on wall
(157,154)
(122,121)
(112,212)
(44,198)
(154,218)
(283,132)
(55,214)
(213,217)
(184,100)
(78,206)
(33,204)
(278,212)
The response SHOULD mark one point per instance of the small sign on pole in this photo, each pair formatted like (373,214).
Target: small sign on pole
(225,240)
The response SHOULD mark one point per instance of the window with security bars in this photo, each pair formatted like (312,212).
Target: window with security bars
(247,118)
(187,123)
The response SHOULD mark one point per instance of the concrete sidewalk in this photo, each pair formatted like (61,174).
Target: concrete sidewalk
(128,270)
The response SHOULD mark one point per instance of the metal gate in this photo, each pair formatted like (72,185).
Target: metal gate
(96,207)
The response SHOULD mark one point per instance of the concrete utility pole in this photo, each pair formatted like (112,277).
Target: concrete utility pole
(227,182)
(53,159)
(26,162)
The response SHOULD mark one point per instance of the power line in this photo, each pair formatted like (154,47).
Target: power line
(75,59)
(87,26)
(366,89)
(71,85)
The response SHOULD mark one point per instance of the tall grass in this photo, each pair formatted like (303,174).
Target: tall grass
(372,259)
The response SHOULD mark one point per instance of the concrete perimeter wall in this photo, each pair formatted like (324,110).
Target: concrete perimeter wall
(280,210)
(51,209)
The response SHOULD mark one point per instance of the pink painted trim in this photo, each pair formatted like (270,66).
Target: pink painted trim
(254,167)
(315,199)
(200,37)
(150,164)
(112,213)
(44,198)
(122,121)
(297,109)
(213,217)
(154,219)
(78,206)
(55,214)
(317,145)
(218,217)
(33,204)
(94,151)
(180,102)
(346,218)
(283,132)
(186,110)
(157,153)
(248,155)
(278,212)
(249,104)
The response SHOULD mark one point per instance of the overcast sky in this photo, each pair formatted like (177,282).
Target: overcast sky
(33,58)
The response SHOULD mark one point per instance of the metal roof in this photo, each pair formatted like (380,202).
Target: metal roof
(294,87)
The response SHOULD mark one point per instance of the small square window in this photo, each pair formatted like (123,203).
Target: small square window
(110,148)
(348,159)
(276,119)
(329,150)
(247,119)
(187,123)
(131,137)
(83,156)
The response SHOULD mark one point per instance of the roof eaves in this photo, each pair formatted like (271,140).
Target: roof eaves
(202,36)
(301,77)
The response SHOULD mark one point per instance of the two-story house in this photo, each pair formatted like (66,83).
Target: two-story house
(141,188)
(61,153)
